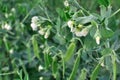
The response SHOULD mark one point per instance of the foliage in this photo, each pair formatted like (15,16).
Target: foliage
(59,40)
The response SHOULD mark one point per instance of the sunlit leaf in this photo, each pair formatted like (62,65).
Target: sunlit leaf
(83,74)
(106,51)
(106,33)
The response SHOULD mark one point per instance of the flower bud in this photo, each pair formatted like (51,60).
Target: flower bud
(102,64)
(97,37)
(47,34)
(97,40)
(41,32)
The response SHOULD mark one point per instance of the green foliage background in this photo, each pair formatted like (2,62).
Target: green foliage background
(63,56)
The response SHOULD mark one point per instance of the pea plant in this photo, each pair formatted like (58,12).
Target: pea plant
(59,40)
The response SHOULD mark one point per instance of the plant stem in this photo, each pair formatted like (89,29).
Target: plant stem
(115,13)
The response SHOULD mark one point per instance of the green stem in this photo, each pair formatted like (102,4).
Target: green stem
(27,15)
(115,13)
(9,73)
(81,7)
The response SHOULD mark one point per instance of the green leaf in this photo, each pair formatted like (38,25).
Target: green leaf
(61,13)
(106,51)
(109,11)
(103,11)
(104,2)
(83,74)
(106,33)
(75,67)
(109,1)
(84,20)
(93,29)
(58,24)
(89,43)
(96,70)
(59,39)
(70,52)
(35,47)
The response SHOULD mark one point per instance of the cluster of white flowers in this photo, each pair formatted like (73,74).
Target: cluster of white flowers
(34,23)
(42,31)
(7,26)
(78,31)
(66,3)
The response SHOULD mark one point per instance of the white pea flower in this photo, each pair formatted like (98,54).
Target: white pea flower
(7,27)
(41,78)
(70,24)
(34,23)
(35,19)
(34,26)
(41,46)
(97,40)
(13,10)
(40,68)
(11,51)
(41,32)
(66,3)
(83,32)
